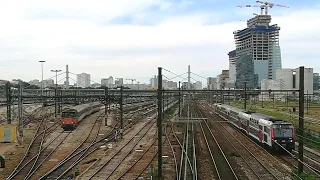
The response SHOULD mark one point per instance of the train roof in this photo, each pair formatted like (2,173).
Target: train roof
(82,106)
(268,118)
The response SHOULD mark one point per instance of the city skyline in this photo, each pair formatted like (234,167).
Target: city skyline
(194,34)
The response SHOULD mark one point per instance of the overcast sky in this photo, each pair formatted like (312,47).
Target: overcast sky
(131,38)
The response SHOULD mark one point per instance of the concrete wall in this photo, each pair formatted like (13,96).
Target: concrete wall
(308,80)
(286,75)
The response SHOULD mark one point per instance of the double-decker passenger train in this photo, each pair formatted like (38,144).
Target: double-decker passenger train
(71,117)
(266,130)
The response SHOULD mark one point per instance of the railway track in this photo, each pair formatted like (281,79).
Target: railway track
(267,162)
(31,156)
(174,147)
(308,164)
(222,167)
(256,165)
(85,152)
(187,169)
(107,168)
(144,161)
(79,154)
(46,152)
(38,153)
(61,168)
(311,158)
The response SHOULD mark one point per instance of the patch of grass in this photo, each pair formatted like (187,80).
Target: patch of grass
(234,154)
(304,176)
(169,112)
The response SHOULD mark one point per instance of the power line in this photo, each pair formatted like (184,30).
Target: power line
(170,71)
(199,75)
(177,76)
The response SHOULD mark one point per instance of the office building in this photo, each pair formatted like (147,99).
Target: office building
(260,40)
(172,85)
(211,83)
(154,82)
(232,67)
(245,72)
(83,80)
(104,81)
(290,79)
(118,81)
(108,81)
(35,82)
(222,79)
(198,85)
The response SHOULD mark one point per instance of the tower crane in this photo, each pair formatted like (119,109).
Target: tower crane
(264,6)
(131,80)
(269,5)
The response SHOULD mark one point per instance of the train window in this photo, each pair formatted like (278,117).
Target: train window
(283,132)
(267,130)
(68,114)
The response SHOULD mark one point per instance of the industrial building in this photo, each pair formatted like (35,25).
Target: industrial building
(260,40)
(83,80)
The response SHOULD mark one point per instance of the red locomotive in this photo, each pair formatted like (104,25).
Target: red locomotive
(71,117)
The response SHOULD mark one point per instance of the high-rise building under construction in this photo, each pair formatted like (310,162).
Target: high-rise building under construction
(259,42)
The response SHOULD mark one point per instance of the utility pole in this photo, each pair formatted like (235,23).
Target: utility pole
(301,118)
(67,77)
(245,95)
(308,102)
(8,95)
(179,99)
(20,111)
(55,92)
(121,111)
(229,96)
(273,100)
(262,99)
(159,122)
(189,85)
(163,97)
(106,97)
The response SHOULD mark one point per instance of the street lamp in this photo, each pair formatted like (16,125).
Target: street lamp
(56,71)
(42,76)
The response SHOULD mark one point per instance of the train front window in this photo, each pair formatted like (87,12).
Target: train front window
(283,132)
(68,114)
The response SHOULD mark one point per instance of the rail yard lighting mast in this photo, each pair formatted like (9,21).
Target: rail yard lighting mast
(41,76)
(56,71)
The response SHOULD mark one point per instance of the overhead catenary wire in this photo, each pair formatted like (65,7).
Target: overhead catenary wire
(294,157)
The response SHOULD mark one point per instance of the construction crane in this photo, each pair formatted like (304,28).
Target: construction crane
(264,7)
(267,5)
(131,80)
